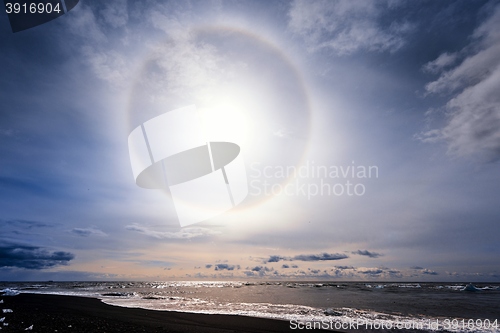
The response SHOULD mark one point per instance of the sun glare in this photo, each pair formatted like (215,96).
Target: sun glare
(227,119)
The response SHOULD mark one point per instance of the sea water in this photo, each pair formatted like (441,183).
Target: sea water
(413,307)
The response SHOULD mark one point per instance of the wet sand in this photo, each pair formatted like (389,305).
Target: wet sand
(55,313)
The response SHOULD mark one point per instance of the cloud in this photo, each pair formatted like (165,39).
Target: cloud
(395,273)
(346,26)
(115,13)
(320,257)
(85,25)
(85,232)
(100,43)
(429,272)
(184,68)
(32,257)
(473,110)
(443,61)
(258,270)
(285,266)
(345,267)
(308,257)
(424,270)
(262,268)
(367,253)
(373,272)
(26,224)
(108,65)
(185,233)
(221,267)
(208,265)
(275,258)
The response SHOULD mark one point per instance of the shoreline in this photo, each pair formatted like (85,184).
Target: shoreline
(60,313)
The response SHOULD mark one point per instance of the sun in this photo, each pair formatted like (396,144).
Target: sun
(227,119)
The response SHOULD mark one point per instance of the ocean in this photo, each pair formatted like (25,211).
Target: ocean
(412,307)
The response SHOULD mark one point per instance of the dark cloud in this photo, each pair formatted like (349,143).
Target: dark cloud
(308,257)
(275,258)
(258,271)
(367,253)
(261,269)
(345,267)
(424,270)
(32,257)
(221,267)
(395,273)
(208,265)
(320,257)
(372,272)
(285,266)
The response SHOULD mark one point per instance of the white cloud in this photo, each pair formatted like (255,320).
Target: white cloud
(473,113)
(115,13)
(186,233)
(101,47)
(108,65)
(84,25)
(345,26)
(443,61)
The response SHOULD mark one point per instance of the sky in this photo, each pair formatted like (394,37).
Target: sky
(369,131)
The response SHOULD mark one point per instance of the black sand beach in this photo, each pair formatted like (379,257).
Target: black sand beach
(55,313)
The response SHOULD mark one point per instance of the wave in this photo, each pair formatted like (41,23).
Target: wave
(9,292)
(333,318)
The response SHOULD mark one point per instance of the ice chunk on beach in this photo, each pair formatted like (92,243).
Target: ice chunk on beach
(29,328)
(471,287)
(1,301)
(7,310)
(2,319)
(332,312)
